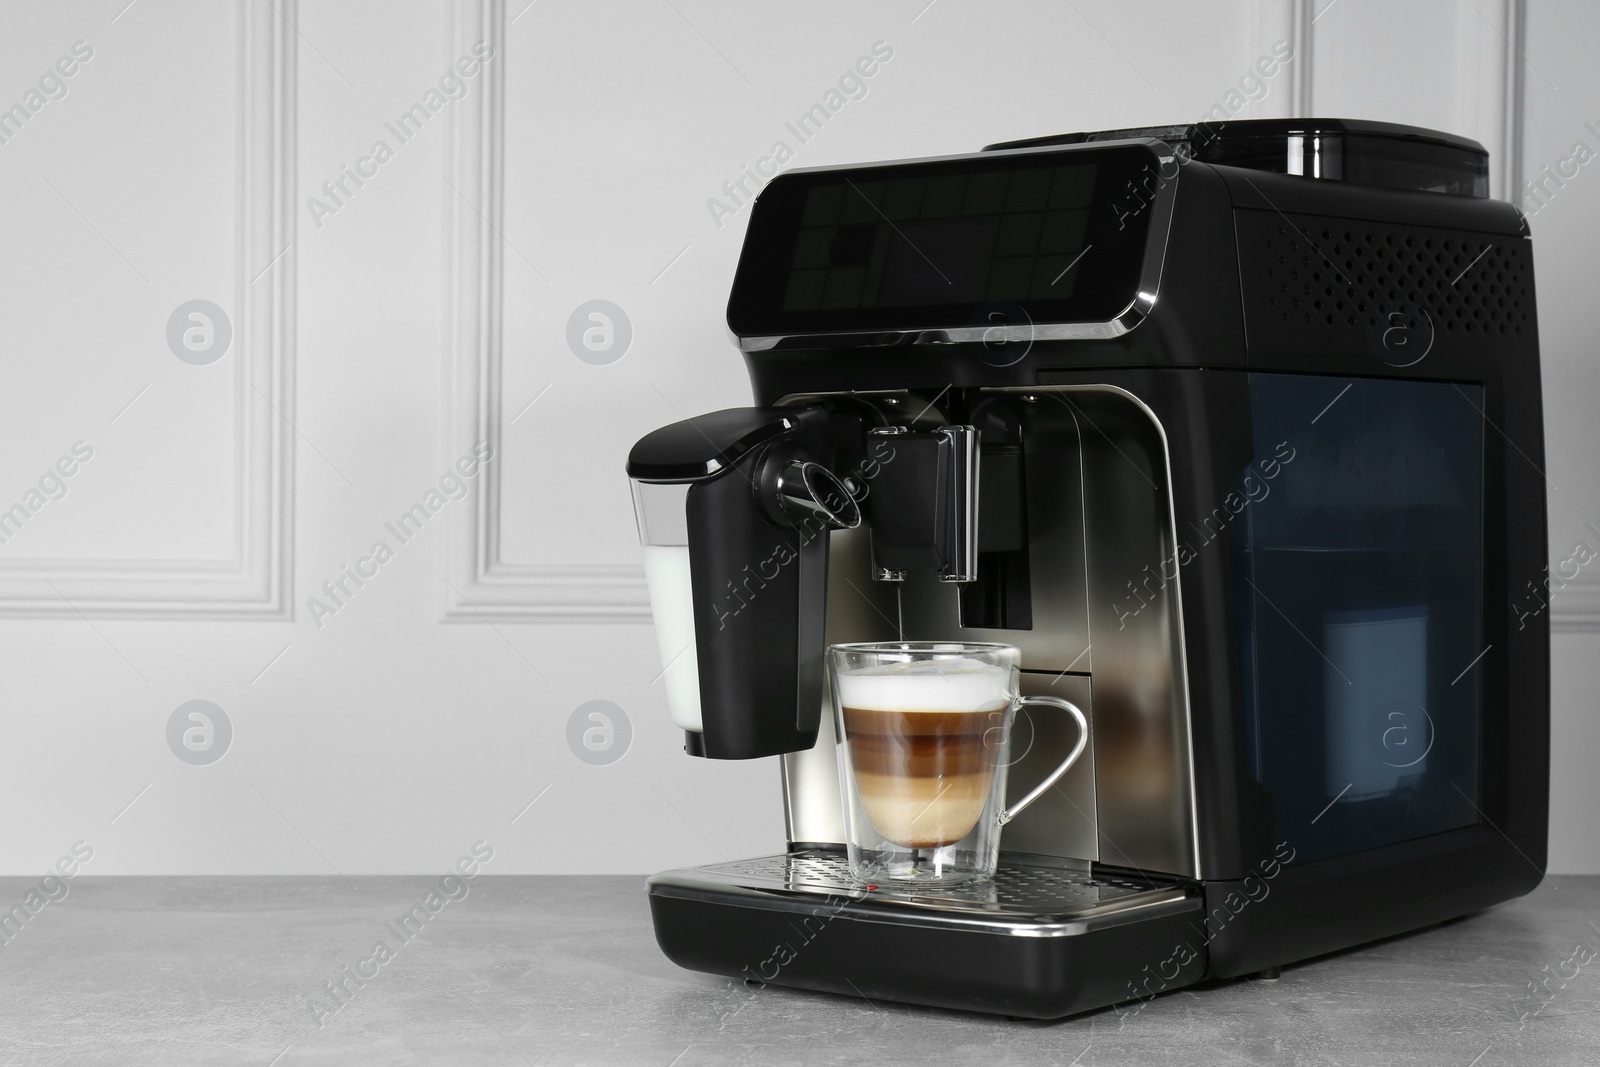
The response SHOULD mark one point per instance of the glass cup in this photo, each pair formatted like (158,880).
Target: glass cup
(924,734)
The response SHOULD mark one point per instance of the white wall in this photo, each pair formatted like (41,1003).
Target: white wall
(375,344)
(1563,109)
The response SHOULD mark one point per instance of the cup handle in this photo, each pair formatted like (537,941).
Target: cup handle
(1077,750)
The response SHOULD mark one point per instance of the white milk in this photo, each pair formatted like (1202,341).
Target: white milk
(666,574)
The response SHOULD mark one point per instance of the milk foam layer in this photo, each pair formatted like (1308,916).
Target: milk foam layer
(926,686)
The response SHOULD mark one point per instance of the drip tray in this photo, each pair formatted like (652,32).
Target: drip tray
(1029,896)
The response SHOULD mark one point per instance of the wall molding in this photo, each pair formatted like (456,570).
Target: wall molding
(481,586)
(1303,14)
(1514,104)
(1489,87)
(1575,606)
(1272,21)
(256,581)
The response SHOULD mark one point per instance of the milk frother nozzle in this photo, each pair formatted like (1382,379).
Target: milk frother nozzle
(805,492)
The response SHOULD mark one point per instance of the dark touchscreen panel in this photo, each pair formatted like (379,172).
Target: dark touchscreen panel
(929,245)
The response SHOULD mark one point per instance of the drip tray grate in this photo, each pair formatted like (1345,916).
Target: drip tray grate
(1024,891)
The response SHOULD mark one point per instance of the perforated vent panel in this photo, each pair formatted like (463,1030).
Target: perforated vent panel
(1351,282)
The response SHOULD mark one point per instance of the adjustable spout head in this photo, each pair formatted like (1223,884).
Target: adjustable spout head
(923,509)
(800,491)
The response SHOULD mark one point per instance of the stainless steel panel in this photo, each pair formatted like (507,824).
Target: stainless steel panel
(1062,822)
(1106,602)
(1144,774)
(1053,486)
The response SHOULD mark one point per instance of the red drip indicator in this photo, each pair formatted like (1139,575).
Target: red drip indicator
(871,887)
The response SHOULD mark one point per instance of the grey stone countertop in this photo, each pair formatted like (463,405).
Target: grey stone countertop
(564,970)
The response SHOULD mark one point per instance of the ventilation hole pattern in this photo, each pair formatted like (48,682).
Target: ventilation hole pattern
(1345,276)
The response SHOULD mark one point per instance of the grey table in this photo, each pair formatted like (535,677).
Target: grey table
(563,970)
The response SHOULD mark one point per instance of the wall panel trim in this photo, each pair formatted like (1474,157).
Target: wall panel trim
(480,585)
(1575,607)
(256,581)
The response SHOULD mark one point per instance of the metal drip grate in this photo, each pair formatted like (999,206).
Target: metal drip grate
(1019,889)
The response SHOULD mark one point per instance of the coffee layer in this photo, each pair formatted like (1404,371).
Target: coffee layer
(923,812)
(923,776)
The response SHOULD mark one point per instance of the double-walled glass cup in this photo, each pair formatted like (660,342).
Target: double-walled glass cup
(924,734)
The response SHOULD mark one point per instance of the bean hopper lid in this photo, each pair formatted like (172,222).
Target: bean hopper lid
(1382,154)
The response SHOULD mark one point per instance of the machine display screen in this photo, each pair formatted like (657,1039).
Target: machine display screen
(929,245)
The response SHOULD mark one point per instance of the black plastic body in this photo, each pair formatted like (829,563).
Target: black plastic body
(1382,154)
(1003,974)
(1263,272)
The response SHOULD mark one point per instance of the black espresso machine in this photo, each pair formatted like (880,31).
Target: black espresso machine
(1235,430)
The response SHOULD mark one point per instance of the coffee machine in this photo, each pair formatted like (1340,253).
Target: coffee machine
(1235,430)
